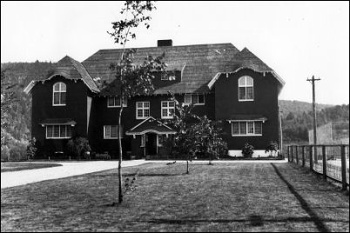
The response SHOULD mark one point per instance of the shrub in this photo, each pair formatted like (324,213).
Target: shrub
(77,147)
(31,148)
(18,151)
(5,153)
(248,150)
(272,148)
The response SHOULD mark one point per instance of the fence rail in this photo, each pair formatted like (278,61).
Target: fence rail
(332,161)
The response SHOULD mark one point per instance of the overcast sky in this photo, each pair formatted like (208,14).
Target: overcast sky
(296,39)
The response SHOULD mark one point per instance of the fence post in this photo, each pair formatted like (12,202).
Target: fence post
(288,154)
(324,162)
(296,154)
(291,152)
(303,155)
(343,167)
(311,162)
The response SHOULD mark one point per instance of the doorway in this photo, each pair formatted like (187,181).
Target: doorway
(151,144)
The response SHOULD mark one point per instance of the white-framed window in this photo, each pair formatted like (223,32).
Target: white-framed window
(246,128)
(167,109)
(59,94)
(142,110)
(111,131)
(58,131)
(115,102)
(245,88)
(195,99)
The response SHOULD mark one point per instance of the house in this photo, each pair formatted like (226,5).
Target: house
(223,83)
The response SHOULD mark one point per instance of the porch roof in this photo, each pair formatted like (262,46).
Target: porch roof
(150,125)
(58,121)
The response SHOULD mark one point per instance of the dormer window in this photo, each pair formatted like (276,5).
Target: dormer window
(195,99)
(59,94)
(246,88)
(115,102)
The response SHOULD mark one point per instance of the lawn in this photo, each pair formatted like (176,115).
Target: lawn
(18,166)
(223,197)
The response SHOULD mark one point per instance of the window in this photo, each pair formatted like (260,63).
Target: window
(246,128)
(142,110)
(115,102)
(59,94)
(58,131)
(161,139)
(167,109)
(246,89)
(196,99)
(111,132)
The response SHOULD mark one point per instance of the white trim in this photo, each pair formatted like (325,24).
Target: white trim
(59,132)
(60,93)
(246,129)
(125,103)
(151,131)
(113,138)
(168,108)
(217,75)
(143,110)
(245,86)
(29,87)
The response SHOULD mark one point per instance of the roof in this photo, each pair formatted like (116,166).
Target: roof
(198,63)
(246,59)
(70,69)
(58,121)
(247,117)
(150,125)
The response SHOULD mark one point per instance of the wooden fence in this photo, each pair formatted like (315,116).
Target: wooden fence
(332,161)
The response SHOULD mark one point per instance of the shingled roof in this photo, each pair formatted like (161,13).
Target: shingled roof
(199,64)
(70,69)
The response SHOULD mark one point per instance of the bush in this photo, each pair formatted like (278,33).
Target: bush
(248,150)
(5,153)
(31,148)
(18,151)
(78,147)
(272,148)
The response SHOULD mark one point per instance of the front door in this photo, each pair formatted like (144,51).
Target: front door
(151,144)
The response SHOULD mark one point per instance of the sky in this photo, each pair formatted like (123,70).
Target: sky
(296,39)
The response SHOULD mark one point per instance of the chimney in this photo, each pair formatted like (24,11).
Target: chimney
(161,43)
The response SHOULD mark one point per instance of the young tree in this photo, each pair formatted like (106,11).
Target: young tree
(132,79)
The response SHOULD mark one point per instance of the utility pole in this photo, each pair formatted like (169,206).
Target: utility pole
(312,80)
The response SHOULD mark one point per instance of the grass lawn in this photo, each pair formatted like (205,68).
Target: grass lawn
(223,197)
(18,166)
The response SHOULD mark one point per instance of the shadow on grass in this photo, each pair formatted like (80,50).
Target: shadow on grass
(253,220)
(313,216)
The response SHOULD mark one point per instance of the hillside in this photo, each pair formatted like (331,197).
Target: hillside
(298,107)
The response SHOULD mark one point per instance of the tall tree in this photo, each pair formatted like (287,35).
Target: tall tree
(132,79)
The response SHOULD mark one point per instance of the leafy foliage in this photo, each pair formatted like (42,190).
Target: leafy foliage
(247,150)
(77,147)
(272,148)
(31,148)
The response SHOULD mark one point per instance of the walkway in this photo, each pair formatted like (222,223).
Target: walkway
(16,178)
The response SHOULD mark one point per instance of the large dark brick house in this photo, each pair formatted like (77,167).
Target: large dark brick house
(224,83)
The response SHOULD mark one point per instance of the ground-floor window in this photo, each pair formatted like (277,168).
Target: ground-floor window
(58,131)
(111,131)
(246,128)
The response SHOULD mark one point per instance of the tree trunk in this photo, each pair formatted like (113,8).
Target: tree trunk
(120,154)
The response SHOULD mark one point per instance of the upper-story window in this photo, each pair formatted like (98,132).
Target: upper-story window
(115,102)
(195,99)
(142,110)
(246,89)
(59,94)
(167,109)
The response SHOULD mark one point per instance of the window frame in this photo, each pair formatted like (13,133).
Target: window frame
(67,136)
(59,91)
(143,108)
(110,137)
(168,108)
(246,85)
(115,98)
(191,99)
(247,133)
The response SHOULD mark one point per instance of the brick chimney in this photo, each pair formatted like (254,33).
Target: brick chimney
(161,43)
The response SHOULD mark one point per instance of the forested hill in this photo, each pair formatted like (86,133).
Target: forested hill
(298,107)
(296,115)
